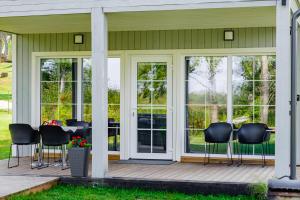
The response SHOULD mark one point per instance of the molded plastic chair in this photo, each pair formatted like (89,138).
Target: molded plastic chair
(217,133)
(54,136)
(253,134)
(23,134)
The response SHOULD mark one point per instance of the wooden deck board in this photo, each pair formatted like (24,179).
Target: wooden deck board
(177,171)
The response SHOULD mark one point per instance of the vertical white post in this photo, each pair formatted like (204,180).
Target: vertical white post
(99,93)
(283,77)
(14,78)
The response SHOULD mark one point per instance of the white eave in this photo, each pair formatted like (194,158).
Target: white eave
(11,8)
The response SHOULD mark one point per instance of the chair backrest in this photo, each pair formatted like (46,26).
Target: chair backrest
(22,134)
(218,132)
(71,122)
(54,135)
(83,124)
(252,133)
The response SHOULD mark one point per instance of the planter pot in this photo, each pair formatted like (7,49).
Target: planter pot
(79,161)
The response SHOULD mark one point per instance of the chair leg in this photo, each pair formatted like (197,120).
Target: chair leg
(230,154)
(10,157)
(205,152)
(241,154)
(263,155)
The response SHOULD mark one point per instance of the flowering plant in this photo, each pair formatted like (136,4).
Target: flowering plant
(78,141)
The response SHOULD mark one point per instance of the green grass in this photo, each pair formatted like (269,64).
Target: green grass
(66,192)
(5,119)
(5,83)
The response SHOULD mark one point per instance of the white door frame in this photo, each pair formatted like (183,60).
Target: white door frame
(133,136)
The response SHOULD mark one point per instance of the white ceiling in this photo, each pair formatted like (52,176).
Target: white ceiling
(164,20)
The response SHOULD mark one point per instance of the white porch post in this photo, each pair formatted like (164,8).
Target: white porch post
(99,93)
(283,92)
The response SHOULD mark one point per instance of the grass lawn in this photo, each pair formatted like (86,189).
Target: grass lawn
(67,192)
(5,119)
(6,82)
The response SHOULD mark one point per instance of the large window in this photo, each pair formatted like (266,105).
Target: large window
(252,95)
(58,89)
(60,92)
(114,75)
(253,81)
(206,97)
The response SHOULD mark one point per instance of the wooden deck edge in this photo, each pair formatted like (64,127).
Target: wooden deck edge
(219,160)
(188,187)
(39,188)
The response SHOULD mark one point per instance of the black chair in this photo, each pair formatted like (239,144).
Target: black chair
(253,134)
(217,133)
(23,134)
(55,136)
(71,122)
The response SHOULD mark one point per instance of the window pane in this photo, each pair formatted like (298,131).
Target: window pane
(65,112)
(264,92)
(159,92)
(159,71)
(67,92)
(195,117)
(49,70)
(144,92)
(144,141)
(242,115)
(87,112)
(159,118)
(265,68)
(265,114)
(195,142)
(114,113)
(242,68)
(87,70)
(144,71)
(114,80)
(67,69)
(49,112)
(242,92)
(49,92)
(196,92)
(144,118)
(159,142)
(87,92)
(216,113)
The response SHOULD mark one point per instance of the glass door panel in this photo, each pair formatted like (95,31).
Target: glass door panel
(152,83)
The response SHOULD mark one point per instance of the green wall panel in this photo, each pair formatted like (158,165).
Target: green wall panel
(128,40)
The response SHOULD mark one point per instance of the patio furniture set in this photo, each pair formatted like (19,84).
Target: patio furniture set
(248,134)
(54,137)
(46,137)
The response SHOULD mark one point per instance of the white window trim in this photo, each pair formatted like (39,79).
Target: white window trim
(178,93)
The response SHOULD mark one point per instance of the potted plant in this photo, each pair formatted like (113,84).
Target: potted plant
(79,156)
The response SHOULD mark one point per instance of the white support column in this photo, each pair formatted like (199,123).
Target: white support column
(99,93)
(14,78)
(283,92)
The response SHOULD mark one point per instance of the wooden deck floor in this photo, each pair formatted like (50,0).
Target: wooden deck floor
(177,171)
